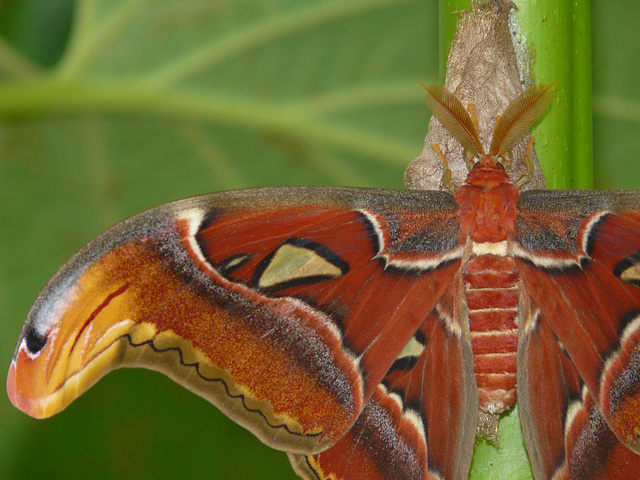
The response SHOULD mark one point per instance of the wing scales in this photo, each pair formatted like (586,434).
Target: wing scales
(586,338)
(421,421)
(277,305)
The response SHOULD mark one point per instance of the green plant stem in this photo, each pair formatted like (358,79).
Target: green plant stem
(582,133)
(556,35)
(447,20)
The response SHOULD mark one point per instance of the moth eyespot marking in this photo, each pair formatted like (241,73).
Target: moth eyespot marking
(628,270)
(299,261)
(631,275)
(34,341)
(228,265)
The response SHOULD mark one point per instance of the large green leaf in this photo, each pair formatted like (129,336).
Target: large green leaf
(149,101)
(616,91)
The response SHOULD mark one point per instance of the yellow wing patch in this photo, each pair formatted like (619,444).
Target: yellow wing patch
(293,262)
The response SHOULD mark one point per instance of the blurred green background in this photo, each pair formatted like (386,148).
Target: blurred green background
(108,107)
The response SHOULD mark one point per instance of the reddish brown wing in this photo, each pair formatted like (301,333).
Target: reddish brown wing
(421,421)
(284,307)
(579,351)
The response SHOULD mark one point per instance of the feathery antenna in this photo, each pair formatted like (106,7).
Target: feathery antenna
(454,117)
(519,117)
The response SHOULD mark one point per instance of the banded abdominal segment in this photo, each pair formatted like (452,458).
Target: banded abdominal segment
(491,287)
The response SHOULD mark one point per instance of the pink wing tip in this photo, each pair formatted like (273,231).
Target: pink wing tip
(11,384)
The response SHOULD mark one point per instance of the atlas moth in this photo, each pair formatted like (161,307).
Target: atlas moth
(371,333)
